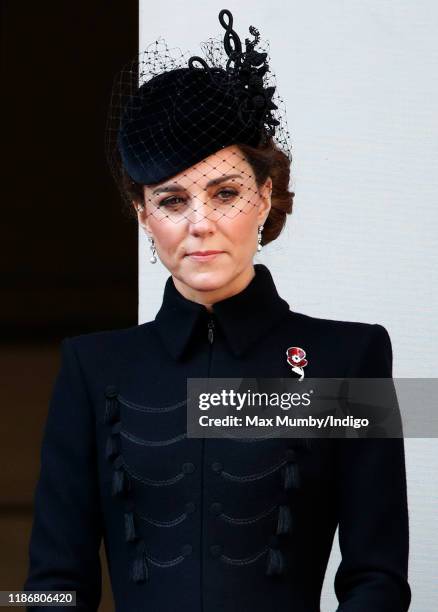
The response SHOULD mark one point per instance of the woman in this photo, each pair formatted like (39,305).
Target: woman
(200,524)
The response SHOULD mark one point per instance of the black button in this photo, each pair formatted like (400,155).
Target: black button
(186,550)
(190,507)
(188,468)
(111,391)
(216,508)
(291,455)
(216,550)
(216,466)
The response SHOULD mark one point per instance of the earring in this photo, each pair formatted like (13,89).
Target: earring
(259,238)
(153,258)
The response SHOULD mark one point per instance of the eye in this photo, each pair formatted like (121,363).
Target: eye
(171,201)
(229,193)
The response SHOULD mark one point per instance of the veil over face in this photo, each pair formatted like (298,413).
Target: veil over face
(220,185)
(199,210)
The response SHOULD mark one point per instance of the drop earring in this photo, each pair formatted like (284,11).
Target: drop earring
(153,258)
(259,238)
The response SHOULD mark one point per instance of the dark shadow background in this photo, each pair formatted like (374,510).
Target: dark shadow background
(68,260)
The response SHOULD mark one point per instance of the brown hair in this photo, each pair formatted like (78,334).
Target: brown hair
(267,160)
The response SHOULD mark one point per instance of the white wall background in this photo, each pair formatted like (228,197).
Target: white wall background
(359,80)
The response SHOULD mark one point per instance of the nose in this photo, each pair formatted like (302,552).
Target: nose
(200,222)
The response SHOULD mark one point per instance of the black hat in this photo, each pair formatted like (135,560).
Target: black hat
(183,112)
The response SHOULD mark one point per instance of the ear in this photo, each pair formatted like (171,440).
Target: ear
(265,206)
(141,216)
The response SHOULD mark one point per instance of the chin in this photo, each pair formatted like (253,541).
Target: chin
(206,280)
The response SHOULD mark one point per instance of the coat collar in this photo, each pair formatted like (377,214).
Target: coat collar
(243,318)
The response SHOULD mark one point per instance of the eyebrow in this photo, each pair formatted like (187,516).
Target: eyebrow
(175,187)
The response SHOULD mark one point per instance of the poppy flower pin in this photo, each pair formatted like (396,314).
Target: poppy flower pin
(296,358)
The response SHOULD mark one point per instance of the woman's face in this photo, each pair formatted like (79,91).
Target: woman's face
(214,205)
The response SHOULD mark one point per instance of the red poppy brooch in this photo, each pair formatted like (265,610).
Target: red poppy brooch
(296,359)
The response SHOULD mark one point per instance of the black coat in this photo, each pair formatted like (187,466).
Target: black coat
(209,525)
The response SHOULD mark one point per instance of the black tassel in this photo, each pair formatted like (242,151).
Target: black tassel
(130,531)
(139,569)
(140,572)
(111,404)
(119,482)
(113,441)
(284,524)
(112,446)
(307,443)
(112,412)
(291,476)
(275,562)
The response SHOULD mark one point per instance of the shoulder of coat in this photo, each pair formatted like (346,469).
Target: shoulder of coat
(115,341)
(325,325)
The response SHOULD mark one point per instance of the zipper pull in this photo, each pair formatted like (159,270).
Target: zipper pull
(210,330)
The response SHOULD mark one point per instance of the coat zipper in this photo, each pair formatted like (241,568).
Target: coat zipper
(210,337)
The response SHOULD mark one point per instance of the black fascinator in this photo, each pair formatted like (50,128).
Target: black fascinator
(168,112)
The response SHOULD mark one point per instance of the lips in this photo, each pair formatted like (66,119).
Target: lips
(201,253)
(203,257)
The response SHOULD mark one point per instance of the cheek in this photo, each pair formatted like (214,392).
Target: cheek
(167,234)
(242,230)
